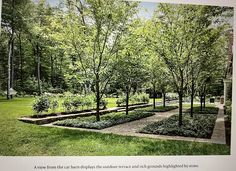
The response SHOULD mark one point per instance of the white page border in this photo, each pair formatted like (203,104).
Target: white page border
(205,163)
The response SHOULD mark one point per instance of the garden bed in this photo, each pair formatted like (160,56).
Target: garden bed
(131,104)
(206,110)
(60,113)
(200,126)
(106,120)
(48,118)
(158,108)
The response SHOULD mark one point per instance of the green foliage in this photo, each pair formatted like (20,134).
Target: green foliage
(20,139)
(228,109)
(54,105)
(159,109)
(120,100)
(68,102)
(41,104)
(88,101)
(200,126)
(205,110)
(134,99)
(103,103)
(139,98)
(108,120)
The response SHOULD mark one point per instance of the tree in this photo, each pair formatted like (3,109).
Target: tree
(12,23)
(96,39)
(131,67)
(179,32)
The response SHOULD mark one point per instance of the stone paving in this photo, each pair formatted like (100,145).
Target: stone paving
(132,128)
(218,135)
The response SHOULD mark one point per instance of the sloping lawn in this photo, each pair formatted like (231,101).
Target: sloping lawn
(21,139)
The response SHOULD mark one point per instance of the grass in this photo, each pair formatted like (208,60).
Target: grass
(21,139)
(111,102)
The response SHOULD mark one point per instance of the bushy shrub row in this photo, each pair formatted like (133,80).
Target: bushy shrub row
(106,120)
(70,102)
(200,126)
(136,98)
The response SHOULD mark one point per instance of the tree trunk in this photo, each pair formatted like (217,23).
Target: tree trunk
(21,63)
(52,71)
(38,70)
(201,101)
(180,109)
(192,99)
(164,99)
(97,98)
(12,66)
(204,100)
(127,101)
(154,97)
(9,68)
(181,91)
(204,97)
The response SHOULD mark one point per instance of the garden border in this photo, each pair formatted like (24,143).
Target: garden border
(46,120)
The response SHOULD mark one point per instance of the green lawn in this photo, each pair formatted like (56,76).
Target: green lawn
(22,139)
(111,102)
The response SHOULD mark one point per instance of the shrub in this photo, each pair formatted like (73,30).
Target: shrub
(76,101)
(88,101)
(136,98)
(54,105)
(120,100)
(143,97)
(103,103)
(41,104)
(67,103)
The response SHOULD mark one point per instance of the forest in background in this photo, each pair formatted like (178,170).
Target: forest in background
(104,48)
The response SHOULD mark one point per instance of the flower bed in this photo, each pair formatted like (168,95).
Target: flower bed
(200,126)
(106,120)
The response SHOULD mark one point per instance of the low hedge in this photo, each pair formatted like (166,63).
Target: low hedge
(200,126)
(106,120)
(158,109)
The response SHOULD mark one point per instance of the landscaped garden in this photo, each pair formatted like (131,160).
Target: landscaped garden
(201,125)
(21,139)
(108,120)
(71,70)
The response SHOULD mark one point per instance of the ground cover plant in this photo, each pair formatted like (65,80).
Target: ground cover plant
(204,110)
(200,126)
(158,109)
(108,120)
